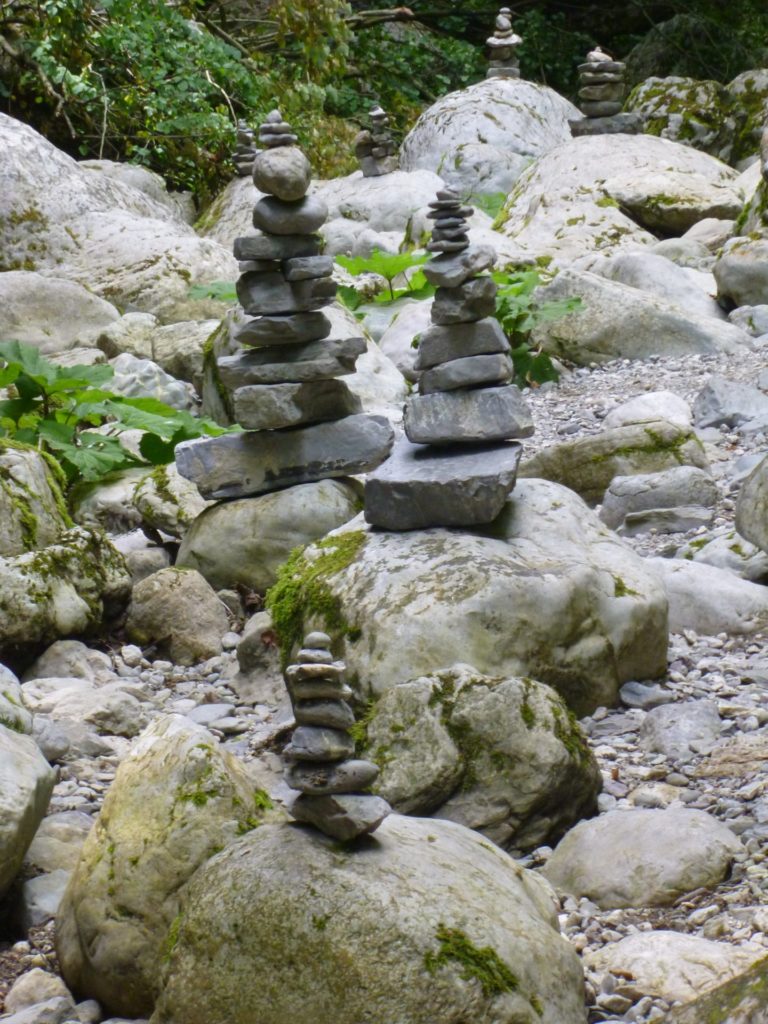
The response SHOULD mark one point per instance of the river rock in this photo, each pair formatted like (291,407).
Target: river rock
(277,217)
(742,1000)
(14,714)
(741,271)
(26,784)
(669,489)
(752,506)
(681,731)
(277,406)
(33,513)
(480,415)
(709,600)
(283,171)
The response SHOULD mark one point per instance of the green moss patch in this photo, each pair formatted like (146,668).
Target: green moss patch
(482,964)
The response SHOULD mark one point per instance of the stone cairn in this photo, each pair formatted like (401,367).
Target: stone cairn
(245,151)
(320,757)
(602,87)
(301,423)
(456,466)
(375,149)
(503,45)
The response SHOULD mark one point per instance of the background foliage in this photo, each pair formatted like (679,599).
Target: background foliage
(163,83)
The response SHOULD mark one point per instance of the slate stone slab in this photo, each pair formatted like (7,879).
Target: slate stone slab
(601,108)
(477,416)
(452,269)
(282,330)
(471,301)
(439,344)
(291,364)
(270,293)
(342,817)
(277,406)
(625,124)
(471,371)
(236,465)
(273,247)
(419,487)
(303,267)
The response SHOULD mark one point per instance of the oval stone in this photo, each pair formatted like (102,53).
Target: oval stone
(284,172)
(278,217)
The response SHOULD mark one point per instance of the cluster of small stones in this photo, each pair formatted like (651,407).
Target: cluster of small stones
(503,45)
(245,151)
(375,149)
(320,756)
(602,88)
(301,423)
(456,467)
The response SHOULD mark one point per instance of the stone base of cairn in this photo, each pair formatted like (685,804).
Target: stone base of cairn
(503,46)
(301,422)
(457,465)
(375,149)
(320,757)
(602,87)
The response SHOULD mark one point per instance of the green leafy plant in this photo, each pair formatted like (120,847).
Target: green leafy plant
(222,291)
(519,313)
(56,408)
(389,266)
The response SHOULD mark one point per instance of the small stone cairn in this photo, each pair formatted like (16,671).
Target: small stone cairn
(245,151)
(320,757)
(602,87)
(301,423)
(375,149)
(503,45)
(456,467)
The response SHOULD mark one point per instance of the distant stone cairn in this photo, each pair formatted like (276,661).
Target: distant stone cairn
(602,88)
(245,151)
(503,46)
(375,149)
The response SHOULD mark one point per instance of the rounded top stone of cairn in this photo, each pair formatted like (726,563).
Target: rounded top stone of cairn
(280,168)
(317,641)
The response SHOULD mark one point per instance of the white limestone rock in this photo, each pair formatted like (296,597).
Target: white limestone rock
(709,600)
(26,784)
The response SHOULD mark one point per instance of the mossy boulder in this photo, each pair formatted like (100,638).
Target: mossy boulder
(177,799)
(741,271)
(695,113)
(33,513)
(167,501)
(502,756)
(423,922)
(749,99)
(545,591)
(742,1000)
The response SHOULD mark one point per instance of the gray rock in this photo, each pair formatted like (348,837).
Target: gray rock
(741,271)
(274,406)
(284,330)
(752,506)
(237,465)
(726,403)
(471,371)
(26,783)
(742,998)
(292,364)
(334,714)
(270,293)
(680,519)
(303,268)
(601,108)
(276,217)
(653,405)
(709,600)
(52,738)
(441,344)
(681,731)
(645,696)
(313,743)
(467,303)
(451,270)
(40,898)
(344,816)
(752,319)
(13,713)
(284,172)
(646,858)
(480,415)
(323,779)
(625,124)
(275,247)
(668,489)
(55,1010)
(451,486)
(35,986)
(58,841)
(32,510)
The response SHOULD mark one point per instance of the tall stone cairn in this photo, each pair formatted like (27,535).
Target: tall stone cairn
(245,151)
(301,422)
(602,88)
(375,149)
(456,467)
(320,757)
(503,46)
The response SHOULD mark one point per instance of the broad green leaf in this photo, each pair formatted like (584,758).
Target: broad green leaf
(95,455)
(156,450)
(224,291)
(388,264)
(56,434)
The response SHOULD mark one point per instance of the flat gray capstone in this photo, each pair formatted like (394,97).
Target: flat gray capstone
(292,364)
(237,465)
(270,293)
(625,124)
(419,487)
(475,416)
(275,247)
(440,344)
(276,406)
(449,270)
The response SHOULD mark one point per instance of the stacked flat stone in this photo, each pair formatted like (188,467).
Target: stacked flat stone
(503,46)
(602,87)
(320,757)
(301,422)
(245,151)
(375,149)
(456,466)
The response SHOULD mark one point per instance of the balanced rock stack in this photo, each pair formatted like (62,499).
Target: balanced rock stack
(375,149)
(601,98)
(503,45)
(301,423)
(456,467)
(245,151)
(321,761)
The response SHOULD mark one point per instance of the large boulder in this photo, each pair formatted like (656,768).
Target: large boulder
(619,321)
(741,1000)
(752,506)
(502,756)
(425,922)
(67,222)
(66,588)
(696,113)
(177,799)
(741,271)
(51,314)
(709,600)
(108,709)
(480,139)
(26,784)
(262,532)
(180,205)
(545,591)
(647,858)
(32,509)
(749,97)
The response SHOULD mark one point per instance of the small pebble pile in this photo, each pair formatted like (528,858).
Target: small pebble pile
(301,422)
(245,151)
(466,410)
(321,761)
(503,45)
(375,149)
(602,88)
